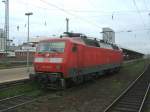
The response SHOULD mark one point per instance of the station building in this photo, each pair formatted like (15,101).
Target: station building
(108,35)
(21,50)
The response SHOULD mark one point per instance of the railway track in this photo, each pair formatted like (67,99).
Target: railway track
(134,97)
(7,85)
(11,103)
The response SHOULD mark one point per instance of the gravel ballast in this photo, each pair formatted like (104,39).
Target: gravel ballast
(92,96)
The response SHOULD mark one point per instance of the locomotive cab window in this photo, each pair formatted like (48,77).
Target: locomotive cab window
(51,47)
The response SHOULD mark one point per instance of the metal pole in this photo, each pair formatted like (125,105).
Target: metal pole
(6,28)
(28,48)
(67,25)
(5,34)
(28,14)
(7,24)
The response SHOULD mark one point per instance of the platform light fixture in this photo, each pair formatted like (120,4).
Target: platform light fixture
(28,14)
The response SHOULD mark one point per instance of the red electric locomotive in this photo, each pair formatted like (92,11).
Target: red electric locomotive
(73,57)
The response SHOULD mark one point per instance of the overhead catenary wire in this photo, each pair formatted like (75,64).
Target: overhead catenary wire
(138,11)
(69,13)
(121,12)
(86,10)
(112,15)
(146,7)
(93,11)
(65,11)
(91,4)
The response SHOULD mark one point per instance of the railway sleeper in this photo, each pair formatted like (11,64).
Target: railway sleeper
(117,111)
(136,93)
(130,103)
(138,88)
(128,106)
(132,98)
(141,87)
(125,109)
(3,106)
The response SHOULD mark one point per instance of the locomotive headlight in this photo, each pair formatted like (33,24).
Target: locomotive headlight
(56,60)
(39,60)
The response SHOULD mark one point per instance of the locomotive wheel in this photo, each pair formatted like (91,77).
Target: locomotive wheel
(33,77)
(88,77)
(117,69)
(78,80)
(63,83)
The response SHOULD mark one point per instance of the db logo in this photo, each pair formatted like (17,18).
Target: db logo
(47,54)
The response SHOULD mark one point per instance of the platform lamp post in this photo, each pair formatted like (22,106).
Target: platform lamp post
(28,14)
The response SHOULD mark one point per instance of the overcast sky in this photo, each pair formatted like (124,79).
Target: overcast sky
(86,16)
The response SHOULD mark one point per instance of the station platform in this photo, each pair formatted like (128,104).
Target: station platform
(13,74)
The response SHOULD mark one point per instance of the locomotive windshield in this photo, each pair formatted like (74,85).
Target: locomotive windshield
(51,47)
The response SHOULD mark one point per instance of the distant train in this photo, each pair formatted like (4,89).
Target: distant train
(74,57)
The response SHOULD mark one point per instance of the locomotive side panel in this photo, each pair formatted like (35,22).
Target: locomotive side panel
(98,59)
(74,60)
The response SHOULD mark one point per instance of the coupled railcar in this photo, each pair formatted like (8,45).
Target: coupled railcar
(74,58)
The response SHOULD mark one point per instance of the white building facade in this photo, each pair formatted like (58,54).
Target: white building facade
(108,35)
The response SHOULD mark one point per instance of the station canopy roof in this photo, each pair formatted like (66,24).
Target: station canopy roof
(37,39)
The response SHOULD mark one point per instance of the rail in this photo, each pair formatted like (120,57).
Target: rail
(133,98)
(9,84)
